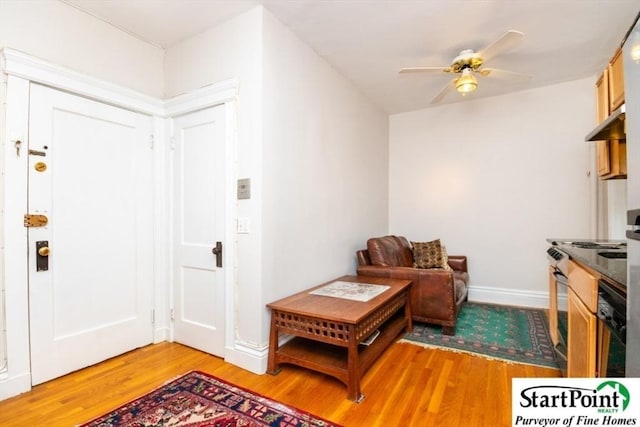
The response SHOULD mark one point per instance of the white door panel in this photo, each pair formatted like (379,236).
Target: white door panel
(95,300)
(198,223)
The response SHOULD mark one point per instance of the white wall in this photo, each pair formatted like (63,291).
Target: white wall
(315,151)
(56,32)
(325,170)
(493,178)
(321,133)
(616,209)
(233,50)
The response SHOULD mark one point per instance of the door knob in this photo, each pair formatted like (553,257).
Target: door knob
(42,255)
(217,251)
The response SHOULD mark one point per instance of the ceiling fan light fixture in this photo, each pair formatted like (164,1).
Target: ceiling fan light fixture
(467,82)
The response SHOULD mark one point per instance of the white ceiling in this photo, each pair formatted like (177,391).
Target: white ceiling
(368,41)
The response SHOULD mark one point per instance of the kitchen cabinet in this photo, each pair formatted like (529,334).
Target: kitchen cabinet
(611,159)
(611,155)
(616,81)
(586,306)
(602,112)
(582,303)
(602,97)
(581,357)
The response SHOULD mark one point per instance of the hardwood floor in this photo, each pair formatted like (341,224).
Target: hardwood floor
(407,386)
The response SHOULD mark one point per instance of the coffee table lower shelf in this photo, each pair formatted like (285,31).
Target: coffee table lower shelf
(332,360)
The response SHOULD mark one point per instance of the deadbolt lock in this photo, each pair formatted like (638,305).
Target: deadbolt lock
(35,220)
(40,166)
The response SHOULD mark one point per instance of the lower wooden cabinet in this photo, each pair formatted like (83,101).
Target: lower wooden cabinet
(587,336)
(581,346)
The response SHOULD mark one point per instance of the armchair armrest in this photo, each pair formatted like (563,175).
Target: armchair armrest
(363,257)
(458,263)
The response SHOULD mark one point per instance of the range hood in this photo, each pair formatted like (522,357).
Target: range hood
(612,128)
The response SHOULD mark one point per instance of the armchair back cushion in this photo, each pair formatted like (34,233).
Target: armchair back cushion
(390,251)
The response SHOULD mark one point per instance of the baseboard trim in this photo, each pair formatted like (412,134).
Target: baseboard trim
(534,299)
(248,357)
(13,386)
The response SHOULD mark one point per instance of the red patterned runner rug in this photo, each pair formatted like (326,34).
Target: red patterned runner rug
(197,399)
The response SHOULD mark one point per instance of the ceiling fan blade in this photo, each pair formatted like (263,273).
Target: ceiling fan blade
(494,72)
(425,70)
(439,97)
(504,42)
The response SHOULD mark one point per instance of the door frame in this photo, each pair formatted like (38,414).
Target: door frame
(224,93)
(19,70)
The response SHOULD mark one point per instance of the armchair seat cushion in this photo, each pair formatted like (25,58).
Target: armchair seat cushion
(436,294)
(461,276)
(461,288)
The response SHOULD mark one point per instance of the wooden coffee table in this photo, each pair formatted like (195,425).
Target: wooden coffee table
(329,331)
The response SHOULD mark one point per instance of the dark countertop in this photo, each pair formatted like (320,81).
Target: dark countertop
(613,268)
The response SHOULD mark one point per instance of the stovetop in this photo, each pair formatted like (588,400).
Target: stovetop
(590,244)
(607,257)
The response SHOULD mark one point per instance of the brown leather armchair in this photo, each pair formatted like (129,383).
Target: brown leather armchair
(436,295)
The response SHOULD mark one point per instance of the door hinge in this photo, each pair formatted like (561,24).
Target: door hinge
(153,315)
(35,220)
(172,143)
(152,140)
(171,315)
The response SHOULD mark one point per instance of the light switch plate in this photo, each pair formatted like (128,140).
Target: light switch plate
(243,225)
(244,188)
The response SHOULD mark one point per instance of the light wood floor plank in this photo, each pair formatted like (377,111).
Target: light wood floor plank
(407,386)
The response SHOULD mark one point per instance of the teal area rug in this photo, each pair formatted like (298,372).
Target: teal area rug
(512,334)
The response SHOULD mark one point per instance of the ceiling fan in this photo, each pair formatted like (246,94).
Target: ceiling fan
(469,63)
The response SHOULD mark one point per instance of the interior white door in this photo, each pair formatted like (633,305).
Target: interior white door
(91,175)
(198,168)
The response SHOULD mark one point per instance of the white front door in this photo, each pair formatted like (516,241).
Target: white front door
(91,175)
(198,172)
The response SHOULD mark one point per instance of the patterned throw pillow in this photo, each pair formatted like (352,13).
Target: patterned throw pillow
(430,255)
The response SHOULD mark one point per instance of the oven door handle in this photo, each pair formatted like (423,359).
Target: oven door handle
(560,277)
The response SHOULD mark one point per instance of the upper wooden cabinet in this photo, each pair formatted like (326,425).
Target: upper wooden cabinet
(611,155)
(611,158)
(616,81)
(602,97)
